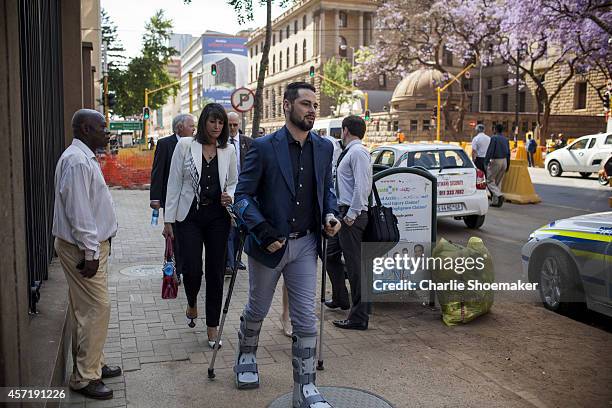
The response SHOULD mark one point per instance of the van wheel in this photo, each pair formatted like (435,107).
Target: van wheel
(603,180)
(474,221)
(554,168)
(585,175)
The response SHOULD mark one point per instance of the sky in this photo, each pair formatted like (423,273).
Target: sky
(130,17)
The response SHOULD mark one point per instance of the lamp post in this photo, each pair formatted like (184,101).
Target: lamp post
(521,46)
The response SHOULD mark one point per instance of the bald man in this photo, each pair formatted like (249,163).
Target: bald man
(84,221)
(242,144)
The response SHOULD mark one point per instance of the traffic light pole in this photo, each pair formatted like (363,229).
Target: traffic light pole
(346,88)
(146,104)
(106,107)
(442,89)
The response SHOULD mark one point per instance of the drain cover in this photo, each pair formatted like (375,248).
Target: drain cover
(340,397)
(141,271)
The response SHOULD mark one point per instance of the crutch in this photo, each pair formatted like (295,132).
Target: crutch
(228,298)
(323,282)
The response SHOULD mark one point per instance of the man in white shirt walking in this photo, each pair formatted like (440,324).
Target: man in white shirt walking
(353,186)
(480,144)
(84,221)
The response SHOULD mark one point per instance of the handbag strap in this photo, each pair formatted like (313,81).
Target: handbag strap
(169,248)
(376,196)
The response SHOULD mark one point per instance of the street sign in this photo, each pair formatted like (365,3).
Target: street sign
(126,125)
(243,99)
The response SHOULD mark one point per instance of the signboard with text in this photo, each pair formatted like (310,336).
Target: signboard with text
(125,125)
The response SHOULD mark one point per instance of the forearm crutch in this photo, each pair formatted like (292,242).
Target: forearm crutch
(323,282)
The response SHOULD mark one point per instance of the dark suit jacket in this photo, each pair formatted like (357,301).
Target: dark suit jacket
(266,187)
(245,145)
(161,168)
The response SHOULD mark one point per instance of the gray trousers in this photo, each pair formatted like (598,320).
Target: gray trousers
(495,175)
(299,269)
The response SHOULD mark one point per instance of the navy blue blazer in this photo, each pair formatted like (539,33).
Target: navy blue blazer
(266,185)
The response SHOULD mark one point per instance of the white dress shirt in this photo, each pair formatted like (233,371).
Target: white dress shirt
(354,179)
(480,144)
(236,142)
(83,213)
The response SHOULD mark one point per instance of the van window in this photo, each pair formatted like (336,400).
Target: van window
(592,143)
(580,144)
(608,139)
(387,158)
(335,132)
(374,156)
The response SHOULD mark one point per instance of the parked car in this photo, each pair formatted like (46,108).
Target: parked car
(605,171)
(462,188)
(569,260)
(584,155)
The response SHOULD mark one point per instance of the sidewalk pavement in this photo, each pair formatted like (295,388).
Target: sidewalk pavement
(519,355)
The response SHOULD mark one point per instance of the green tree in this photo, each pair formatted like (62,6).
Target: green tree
(147,71)
(338,71)
(111,44)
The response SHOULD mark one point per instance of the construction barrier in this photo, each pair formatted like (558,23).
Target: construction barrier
(538,156)
(519,152)
(129,168)
(517,187)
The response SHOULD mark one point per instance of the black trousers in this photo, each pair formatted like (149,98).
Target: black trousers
(480,164)
(348,243)
(176,246)
(208,227)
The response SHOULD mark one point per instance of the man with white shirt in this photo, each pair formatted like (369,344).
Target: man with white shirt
(480,144)
(84,222)
(242,144)
(353,187)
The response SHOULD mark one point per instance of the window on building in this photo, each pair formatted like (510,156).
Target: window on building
(295,54)
(421,106)
(295,27)
(580,95)
(280,61)
(504,102)
(522,101)
(524,126)
(288,58)
(304,21)
(447,58)
(382,80)
(489,103)
(506,80)
(280,36)
(342,16)
(414,125)
(426,124)
(395,125)
(251,73)
(274,64)
(304,49)
(467,84)
(342,47)
(273,40)
(256,49)
(256,71)
(288,31)
(388,126)
(489,83)
(251,52)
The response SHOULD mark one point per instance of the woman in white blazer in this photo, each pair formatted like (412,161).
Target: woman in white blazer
(201,184)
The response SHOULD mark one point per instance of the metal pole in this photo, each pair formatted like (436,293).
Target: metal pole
(145,122)
(106,107)
(190,92)
(516,94)
(438,115)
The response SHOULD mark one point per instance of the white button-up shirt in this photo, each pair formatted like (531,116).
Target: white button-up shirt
(354,179)
(236,142)
(480,144)
(83,213)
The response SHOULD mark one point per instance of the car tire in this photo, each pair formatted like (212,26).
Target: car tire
(474,221)
(603,181)
(554,168)
(558,282)
(584,174)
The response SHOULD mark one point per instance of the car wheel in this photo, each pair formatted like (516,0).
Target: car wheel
(554,168)
(602,180)
(585,175)
(474,221)
(559,285)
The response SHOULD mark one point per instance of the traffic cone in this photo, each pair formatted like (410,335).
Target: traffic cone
(516,185)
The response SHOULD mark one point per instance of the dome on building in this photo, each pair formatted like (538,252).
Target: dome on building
(420,84)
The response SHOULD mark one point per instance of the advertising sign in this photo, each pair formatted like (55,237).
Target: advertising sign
(229,54)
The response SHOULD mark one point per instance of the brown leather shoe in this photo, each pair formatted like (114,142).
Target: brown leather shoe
(96,389)
(112,371)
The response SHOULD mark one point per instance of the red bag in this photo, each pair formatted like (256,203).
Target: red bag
(170,281)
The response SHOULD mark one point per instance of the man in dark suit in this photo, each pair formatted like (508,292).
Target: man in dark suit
(284,195)
(183,126)
(242,144)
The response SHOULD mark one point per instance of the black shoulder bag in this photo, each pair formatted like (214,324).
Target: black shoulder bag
(382,227)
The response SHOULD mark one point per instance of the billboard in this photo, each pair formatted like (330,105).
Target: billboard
(230,56)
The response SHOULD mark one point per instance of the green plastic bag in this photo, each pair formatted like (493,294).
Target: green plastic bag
(462,306)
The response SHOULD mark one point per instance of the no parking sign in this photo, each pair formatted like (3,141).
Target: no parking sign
(243,100)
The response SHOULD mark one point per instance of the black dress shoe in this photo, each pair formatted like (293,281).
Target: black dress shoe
(96,389)
(110,372)
(241,266)
(350,325)
(333,305)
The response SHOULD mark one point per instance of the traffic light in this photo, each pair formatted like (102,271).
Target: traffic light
(213,69)
(312,71)
(146,113)
(367,115)
(111,100)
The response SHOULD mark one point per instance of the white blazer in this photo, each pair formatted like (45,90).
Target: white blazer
(180,194)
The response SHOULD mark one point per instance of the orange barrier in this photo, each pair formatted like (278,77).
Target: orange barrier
(130,168)
(516,185)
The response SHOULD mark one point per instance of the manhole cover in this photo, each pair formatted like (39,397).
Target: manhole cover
(340,397)
(141,271)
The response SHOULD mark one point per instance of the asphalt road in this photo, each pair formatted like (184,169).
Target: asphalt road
(506,229)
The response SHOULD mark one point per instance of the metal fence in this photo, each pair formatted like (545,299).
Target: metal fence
(42,122)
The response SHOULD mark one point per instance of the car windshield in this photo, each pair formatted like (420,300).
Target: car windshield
(436,159)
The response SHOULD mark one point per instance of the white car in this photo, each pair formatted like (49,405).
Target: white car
(462,188)
(569,259)
(583,156)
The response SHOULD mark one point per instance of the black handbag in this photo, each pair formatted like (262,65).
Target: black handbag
(382,232)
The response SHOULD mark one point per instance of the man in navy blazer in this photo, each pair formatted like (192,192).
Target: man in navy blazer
(284,196)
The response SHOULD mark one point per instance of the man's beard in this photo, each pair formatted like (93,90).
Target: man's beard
(300,123)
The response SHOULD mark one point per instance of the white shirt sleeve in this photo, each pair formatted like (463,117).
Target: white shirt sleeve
(75,195)
(362,171)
